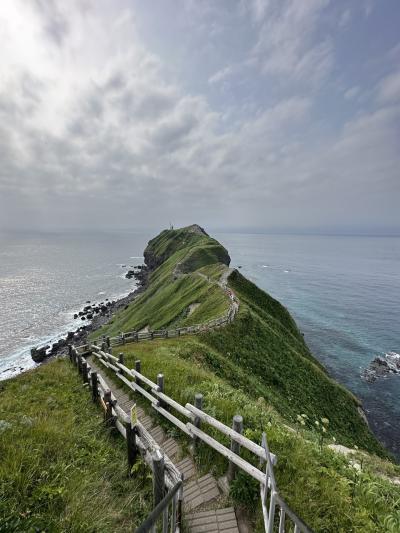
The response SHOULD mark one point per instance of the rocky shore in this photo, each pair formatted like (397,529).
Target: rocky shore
(97,313)
(381,367)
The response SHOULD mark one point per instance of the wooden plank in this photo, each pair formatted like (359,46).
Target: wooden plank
(120,428)
(220,448)
(171,418)
(136,374)
(120,413)
(243,441)
(177,406)
(103,404)
(137,388)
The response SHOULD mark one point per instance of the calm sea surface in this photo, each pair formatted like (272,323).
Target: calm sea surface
(344,293)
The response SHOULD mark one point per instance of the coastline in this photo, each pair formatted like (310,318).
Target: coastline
(57,343)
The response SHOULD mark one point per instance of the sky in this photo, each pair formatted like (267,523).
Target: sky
(275,115)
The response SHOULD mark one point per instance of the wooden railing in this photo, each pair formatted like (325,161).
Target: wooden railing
(137,336)
(167,480)
(164,405)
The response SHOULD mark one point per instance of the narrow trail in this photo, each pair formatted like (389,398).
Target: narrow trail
(203,504)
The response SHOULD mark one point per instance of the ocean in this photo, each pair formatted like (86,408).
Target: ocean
(343,291)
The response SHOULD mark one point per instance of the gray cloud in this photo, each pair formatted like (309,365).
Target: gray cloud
(99,130)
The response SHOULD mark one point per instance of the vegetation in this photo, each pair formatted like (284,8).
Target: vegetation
(262,351)
(70,475)
(60,470)
(325,489)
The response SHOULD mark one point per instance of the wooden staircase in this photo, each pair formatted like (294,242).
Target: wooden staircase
(202,499)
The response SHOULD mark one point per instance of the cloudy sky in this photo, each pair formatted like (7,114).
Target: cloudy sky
(274,114)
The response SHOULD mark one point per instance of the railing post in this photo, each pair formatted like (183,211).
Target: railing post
(108,413)
(121,359)
(138,367)
(95,389)
(160,383)
(79,357)
(158,477)
(131,447)
(85,376)
(237,425)
(198,403)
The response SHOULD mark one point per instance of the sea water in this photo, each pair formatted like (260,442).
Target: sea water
(344,293)
(46,278)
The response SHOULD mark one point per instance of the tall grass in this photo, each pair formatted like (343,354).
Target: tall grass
(60,470)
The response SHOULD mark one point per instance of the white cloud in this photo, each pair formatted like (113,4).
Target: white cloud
(287,46)
(389,88)
(352,93)
(221,75)
(96,129)
(345,18)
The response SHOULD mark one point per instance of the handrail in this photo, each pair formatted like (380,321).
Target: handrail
(276,499)
(151,520)
(137,336)
(270,497)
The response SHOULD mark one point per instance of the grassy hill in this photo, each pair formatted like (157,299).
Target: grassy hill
(61,471)
(262,351)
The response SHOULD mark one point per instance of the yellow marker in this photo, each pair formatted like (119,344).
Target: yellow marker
(133,415)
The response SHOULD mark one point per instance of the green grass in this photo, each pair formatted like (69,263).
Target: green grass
(320,485)
(60,469)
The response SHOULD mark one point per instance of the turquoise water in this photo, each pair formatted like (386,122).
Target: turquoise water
(344,293)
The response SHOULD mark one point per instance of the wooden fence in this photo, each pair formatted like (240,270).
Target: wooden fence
(167,480)
(164,405)
(136,336)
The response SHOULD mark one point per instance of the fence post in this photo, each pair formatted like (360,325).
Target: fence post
(138,367)
(79,357)
(198,403)
(85,376)
(95,390)
(179,507)
(108,413)
(121,359)
(160,383)
(237,425)
(131,447)
(122,337)
(70,352)
(158,477)
(108,341)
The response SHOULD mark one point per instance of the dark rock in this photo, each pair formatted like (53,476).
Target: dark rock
(75,316)
(89,316)
(83,317)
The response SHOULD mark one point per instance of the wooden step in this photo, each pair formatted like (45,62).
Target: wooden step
(187,467)
(199,491)
(215,521)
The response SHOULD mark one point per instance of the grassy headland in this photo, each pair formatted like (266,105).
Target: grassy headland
(61,471)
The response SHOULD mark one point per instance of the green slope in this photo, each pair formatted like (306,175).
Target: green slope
(262,351)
